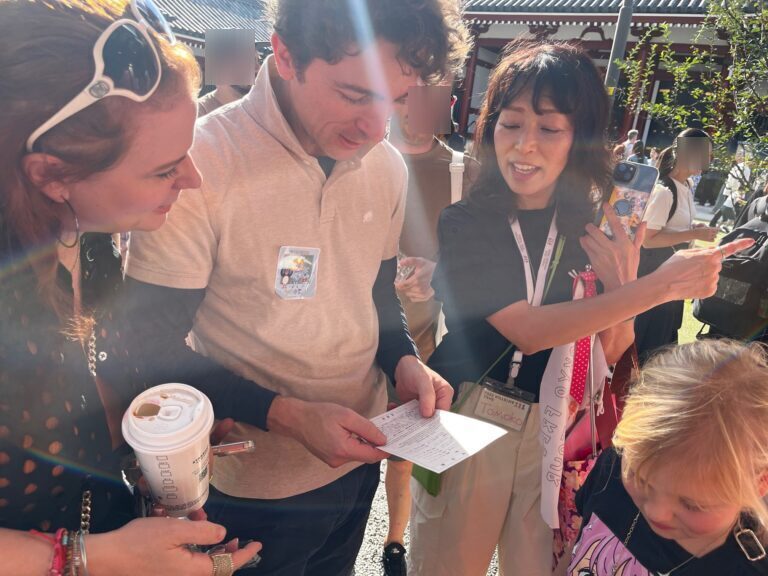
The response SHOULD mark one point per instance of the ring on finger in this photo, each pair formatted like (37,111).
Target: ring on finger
(222,565)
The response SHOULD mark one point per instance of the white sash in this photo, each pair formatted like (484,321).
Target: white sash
(553,406)
(556,382)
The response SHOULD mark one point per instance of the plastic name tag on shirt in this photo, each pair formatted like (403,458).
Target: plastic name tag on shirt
(503,405)
(296,274)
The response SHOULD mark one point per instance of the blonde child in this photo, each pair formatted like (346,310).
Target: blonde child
(682,492)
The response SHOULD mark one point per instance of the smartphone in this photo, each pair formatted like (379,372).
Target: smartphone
(233,448)
(403,272)
(632,187)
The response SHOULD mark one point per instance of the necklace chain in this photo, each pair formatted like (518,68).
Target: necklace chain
(85,512)
(92,352)
(615,569)
(631,529)
(678,566)
(626,544)
(75,261)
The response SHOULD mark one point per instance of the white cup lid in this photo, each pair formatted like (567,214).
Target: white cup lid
(166,418)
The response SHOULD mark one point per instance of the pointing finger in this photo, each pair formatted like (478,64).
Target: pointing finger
(733,247)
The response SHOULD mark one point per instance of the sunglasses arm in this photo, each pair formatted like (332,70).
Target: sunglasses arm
(80,102)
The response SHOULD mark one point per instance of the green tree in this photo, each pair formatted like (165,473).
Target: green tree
(730,89)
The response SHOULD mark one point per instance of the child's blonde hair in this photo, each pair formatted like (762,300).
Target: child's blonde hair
(703,406)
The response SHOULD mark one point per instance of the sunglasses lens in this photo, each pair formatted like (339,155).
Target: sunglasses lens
(154,18)
(130,61)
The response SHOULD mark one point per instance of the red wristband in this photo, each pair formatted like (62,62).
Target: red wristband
(59,561)
(43,536)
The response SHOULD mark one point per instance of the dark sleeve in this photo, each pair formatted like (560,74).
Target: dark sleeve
(596,481)
(475,275)
(394,339)
(157,321)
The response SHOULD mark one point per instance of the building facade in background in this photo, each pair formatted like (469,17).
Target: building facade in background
(495,23)
(592,23)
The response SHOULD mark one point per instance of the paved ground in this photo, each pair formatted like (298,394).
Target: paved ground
(704,213)
(369,559)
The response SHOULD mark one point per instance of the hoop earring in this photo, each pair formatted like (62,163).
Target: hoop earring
(77,227)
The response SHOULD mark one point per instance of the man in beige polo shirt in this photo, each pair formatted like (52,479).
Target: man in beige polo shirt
(281,268)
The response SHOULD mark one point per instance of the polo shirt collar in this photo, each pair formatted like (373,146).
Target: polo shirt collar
(261,103)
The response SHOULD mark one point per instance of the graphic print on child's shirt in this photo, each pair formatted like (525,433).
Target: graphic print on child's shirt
(599,552)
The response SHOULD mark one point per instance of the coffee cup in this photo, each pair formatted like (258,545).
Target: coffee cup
(169,427)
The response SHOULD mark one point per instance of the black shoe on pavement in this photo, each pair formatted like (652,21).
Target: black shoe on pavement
(394,560)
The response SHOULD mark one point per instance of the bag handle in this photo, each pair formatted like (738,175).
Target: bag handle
(613,400)
(456,168)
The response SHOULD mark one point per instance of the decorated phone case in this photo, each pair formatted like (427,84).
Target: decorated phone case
(632,187)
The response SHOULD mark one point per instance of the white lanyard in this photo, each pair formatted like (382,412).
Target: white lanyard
(534,293)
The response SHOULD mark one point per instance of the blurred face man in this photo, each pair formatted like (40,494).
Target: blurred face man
(426,115)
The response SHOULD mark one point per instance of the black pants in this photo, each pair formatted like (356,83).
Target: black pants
(318,533)
(726,213)
(658,327)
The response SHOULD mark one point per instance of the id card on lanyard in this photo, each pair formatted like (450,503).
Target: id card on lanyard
(502,404)
(506,404)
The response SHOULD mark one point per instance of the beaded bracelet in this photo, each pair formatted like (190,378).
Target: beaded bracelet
(73,557)
(77,562)
(67,542)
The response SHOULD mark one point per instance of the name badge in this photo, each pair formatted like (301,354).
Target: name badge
(507,409)
(296,275)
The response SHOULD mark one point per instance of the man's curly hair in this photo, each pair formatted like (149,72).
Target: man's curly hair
(431,35)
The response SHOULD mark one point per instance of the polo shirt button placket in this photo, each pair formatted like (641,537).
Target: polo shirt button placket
(327,207)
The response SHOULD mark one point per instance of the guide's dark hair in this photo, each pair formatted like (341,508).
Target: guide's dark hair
(565,75)
(431,35)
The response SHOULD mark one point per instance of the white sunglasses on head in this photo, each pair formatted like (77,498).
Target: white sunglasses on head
(127,64)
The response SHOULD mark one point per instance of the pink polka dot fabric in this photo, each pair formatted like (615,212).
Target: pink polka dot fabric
(583,346)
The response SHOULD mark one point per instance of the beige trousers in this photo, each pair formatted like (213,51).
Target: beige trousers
(491,499)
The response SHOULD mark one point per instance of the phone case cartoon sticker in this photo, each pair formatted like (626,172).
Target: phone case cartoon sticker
(629,206)
(296,274)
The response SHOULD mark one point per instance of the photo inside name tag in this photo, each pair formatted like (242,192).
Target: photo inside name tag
(296,274)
